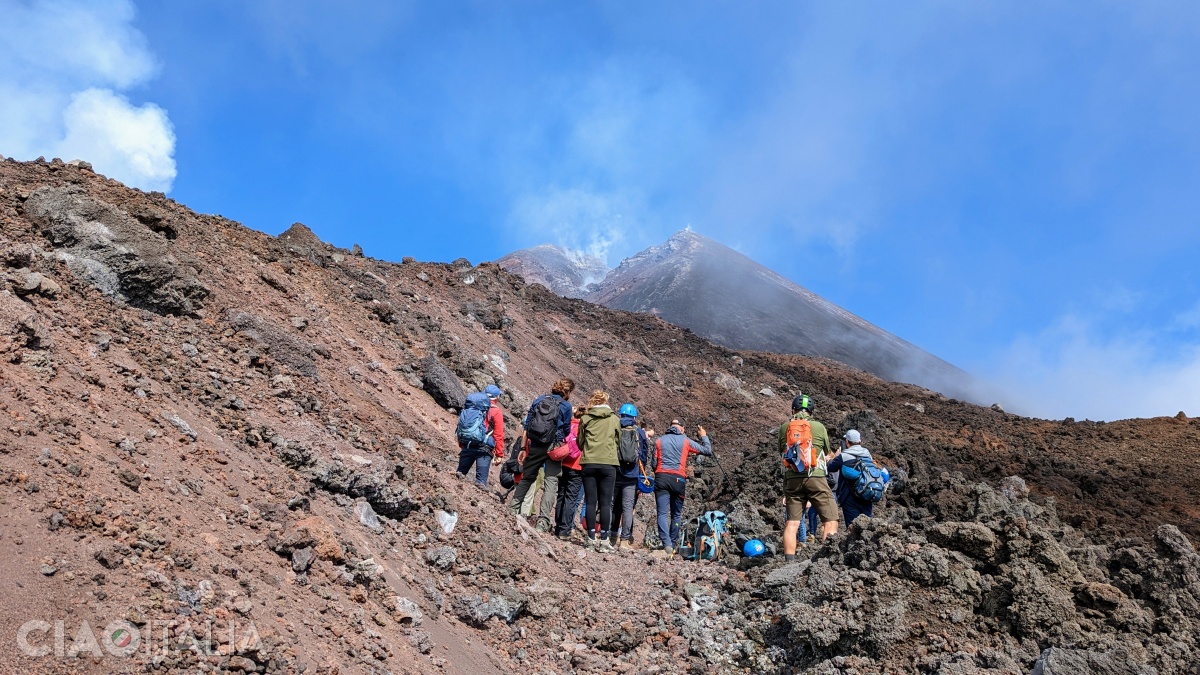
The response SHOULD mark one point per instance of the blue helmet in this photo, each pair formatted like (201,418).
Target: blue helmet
(629,410)
(753,548)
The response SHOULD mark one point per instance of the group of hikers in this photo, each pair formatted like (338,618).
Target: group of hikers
(592,458)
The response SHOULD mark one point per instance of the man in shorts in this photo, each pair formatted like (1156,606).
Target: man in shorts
(811,486)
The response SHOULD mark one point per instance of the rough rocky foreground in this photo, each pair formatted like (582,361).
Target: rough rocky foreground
(239,449)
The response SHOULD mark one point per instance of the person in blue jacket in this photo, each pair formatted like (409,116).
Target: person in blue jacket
(849,457)
(625,499)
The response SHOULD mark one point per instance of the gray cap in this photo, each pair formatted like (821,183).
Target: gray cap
(853,436)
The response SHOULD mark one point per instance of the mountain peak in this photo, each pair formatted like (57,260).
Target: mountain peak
(567,272)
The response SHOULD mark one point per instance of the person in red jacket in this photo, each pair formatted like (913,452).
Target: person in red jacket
(481,456)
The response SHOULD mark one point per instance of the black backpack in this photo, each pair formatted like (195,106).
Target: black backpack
(628,447)
(542,426)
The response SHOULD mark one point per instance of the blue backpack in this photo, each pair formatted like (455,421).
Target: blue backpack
(709,537)
(868,479)
(472,421)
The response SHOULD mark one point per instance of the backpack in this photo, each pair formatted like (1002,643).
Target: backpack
(542,425)
(508,478)
(472,421)
(709,537)
(870,484)
(800,454)
(569,450)
(628,447)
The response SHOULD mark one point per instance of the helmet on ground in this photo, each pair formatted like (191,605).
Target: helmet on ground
(802,402)
(753,548)
(629,410)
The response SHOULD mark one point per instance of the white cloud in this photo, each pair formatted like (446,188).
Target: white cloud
(124,139)
(1068,370)
(63,66)
(574,218)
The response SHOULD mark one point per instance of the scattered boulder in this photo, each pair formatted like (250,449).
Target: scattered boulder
(114,252)
(476,611)
(312,532)
(302,559)
(441,383)
(442,557)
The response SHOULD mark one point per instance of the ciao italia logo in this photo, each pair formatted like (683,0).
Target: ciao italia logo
(121,639)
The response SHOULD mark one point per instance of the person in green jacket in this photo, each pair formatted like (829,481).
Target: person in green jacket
(599,431)
(812,486)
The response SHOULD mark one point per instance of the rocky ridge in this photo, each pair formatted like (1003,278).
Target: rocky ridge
(207,427)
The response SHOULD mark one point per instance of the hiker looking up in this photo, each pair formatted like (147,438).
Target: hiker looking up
(671,452)
(633,442)
(570,482)
(808,485)
(546,425)
(481,416)
(599,432)
(851,463)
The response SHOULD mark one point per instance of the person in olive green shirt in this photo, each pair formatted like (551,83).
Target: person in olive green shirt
(799,488)
(599,431)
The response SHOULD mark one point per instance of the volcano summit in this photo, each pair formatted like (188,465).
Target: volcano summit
(724,296)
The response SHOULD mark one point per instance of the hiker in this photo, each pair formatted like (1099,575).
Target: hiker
(849,463)
(671,452)
(625,494)
(473,450)
(809,486)
(599,434)
(570,482)
(808,524)
(546,425)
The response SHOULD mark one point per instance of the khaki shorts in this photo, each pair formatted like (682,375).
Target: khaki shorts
(815,489)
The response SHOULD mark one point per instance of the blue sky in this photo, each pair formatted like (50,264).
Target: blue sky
(1010,186)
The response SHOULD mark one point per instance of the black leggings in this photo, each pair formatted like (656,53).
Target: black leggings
(598,483)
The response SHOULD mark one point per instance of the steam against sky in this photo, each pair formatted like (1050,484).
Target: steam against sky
(64,68)
(1009,186)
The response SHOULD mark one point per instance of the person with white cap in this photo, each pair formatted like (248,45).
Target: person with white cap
(849,461)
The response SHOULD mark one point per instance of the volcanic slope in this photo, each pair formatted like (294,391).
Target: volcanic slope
(724,296)
(208,428)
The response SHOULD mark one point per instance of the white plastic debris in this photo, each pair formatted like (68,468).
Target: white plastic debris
(446,520)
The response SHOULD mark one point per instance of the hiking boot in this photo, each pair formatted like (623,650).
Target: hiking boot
(591,544)
(543,526)
(605,546)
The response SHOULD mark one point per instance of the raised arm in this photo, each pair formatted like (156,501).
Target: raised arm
(704,447)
